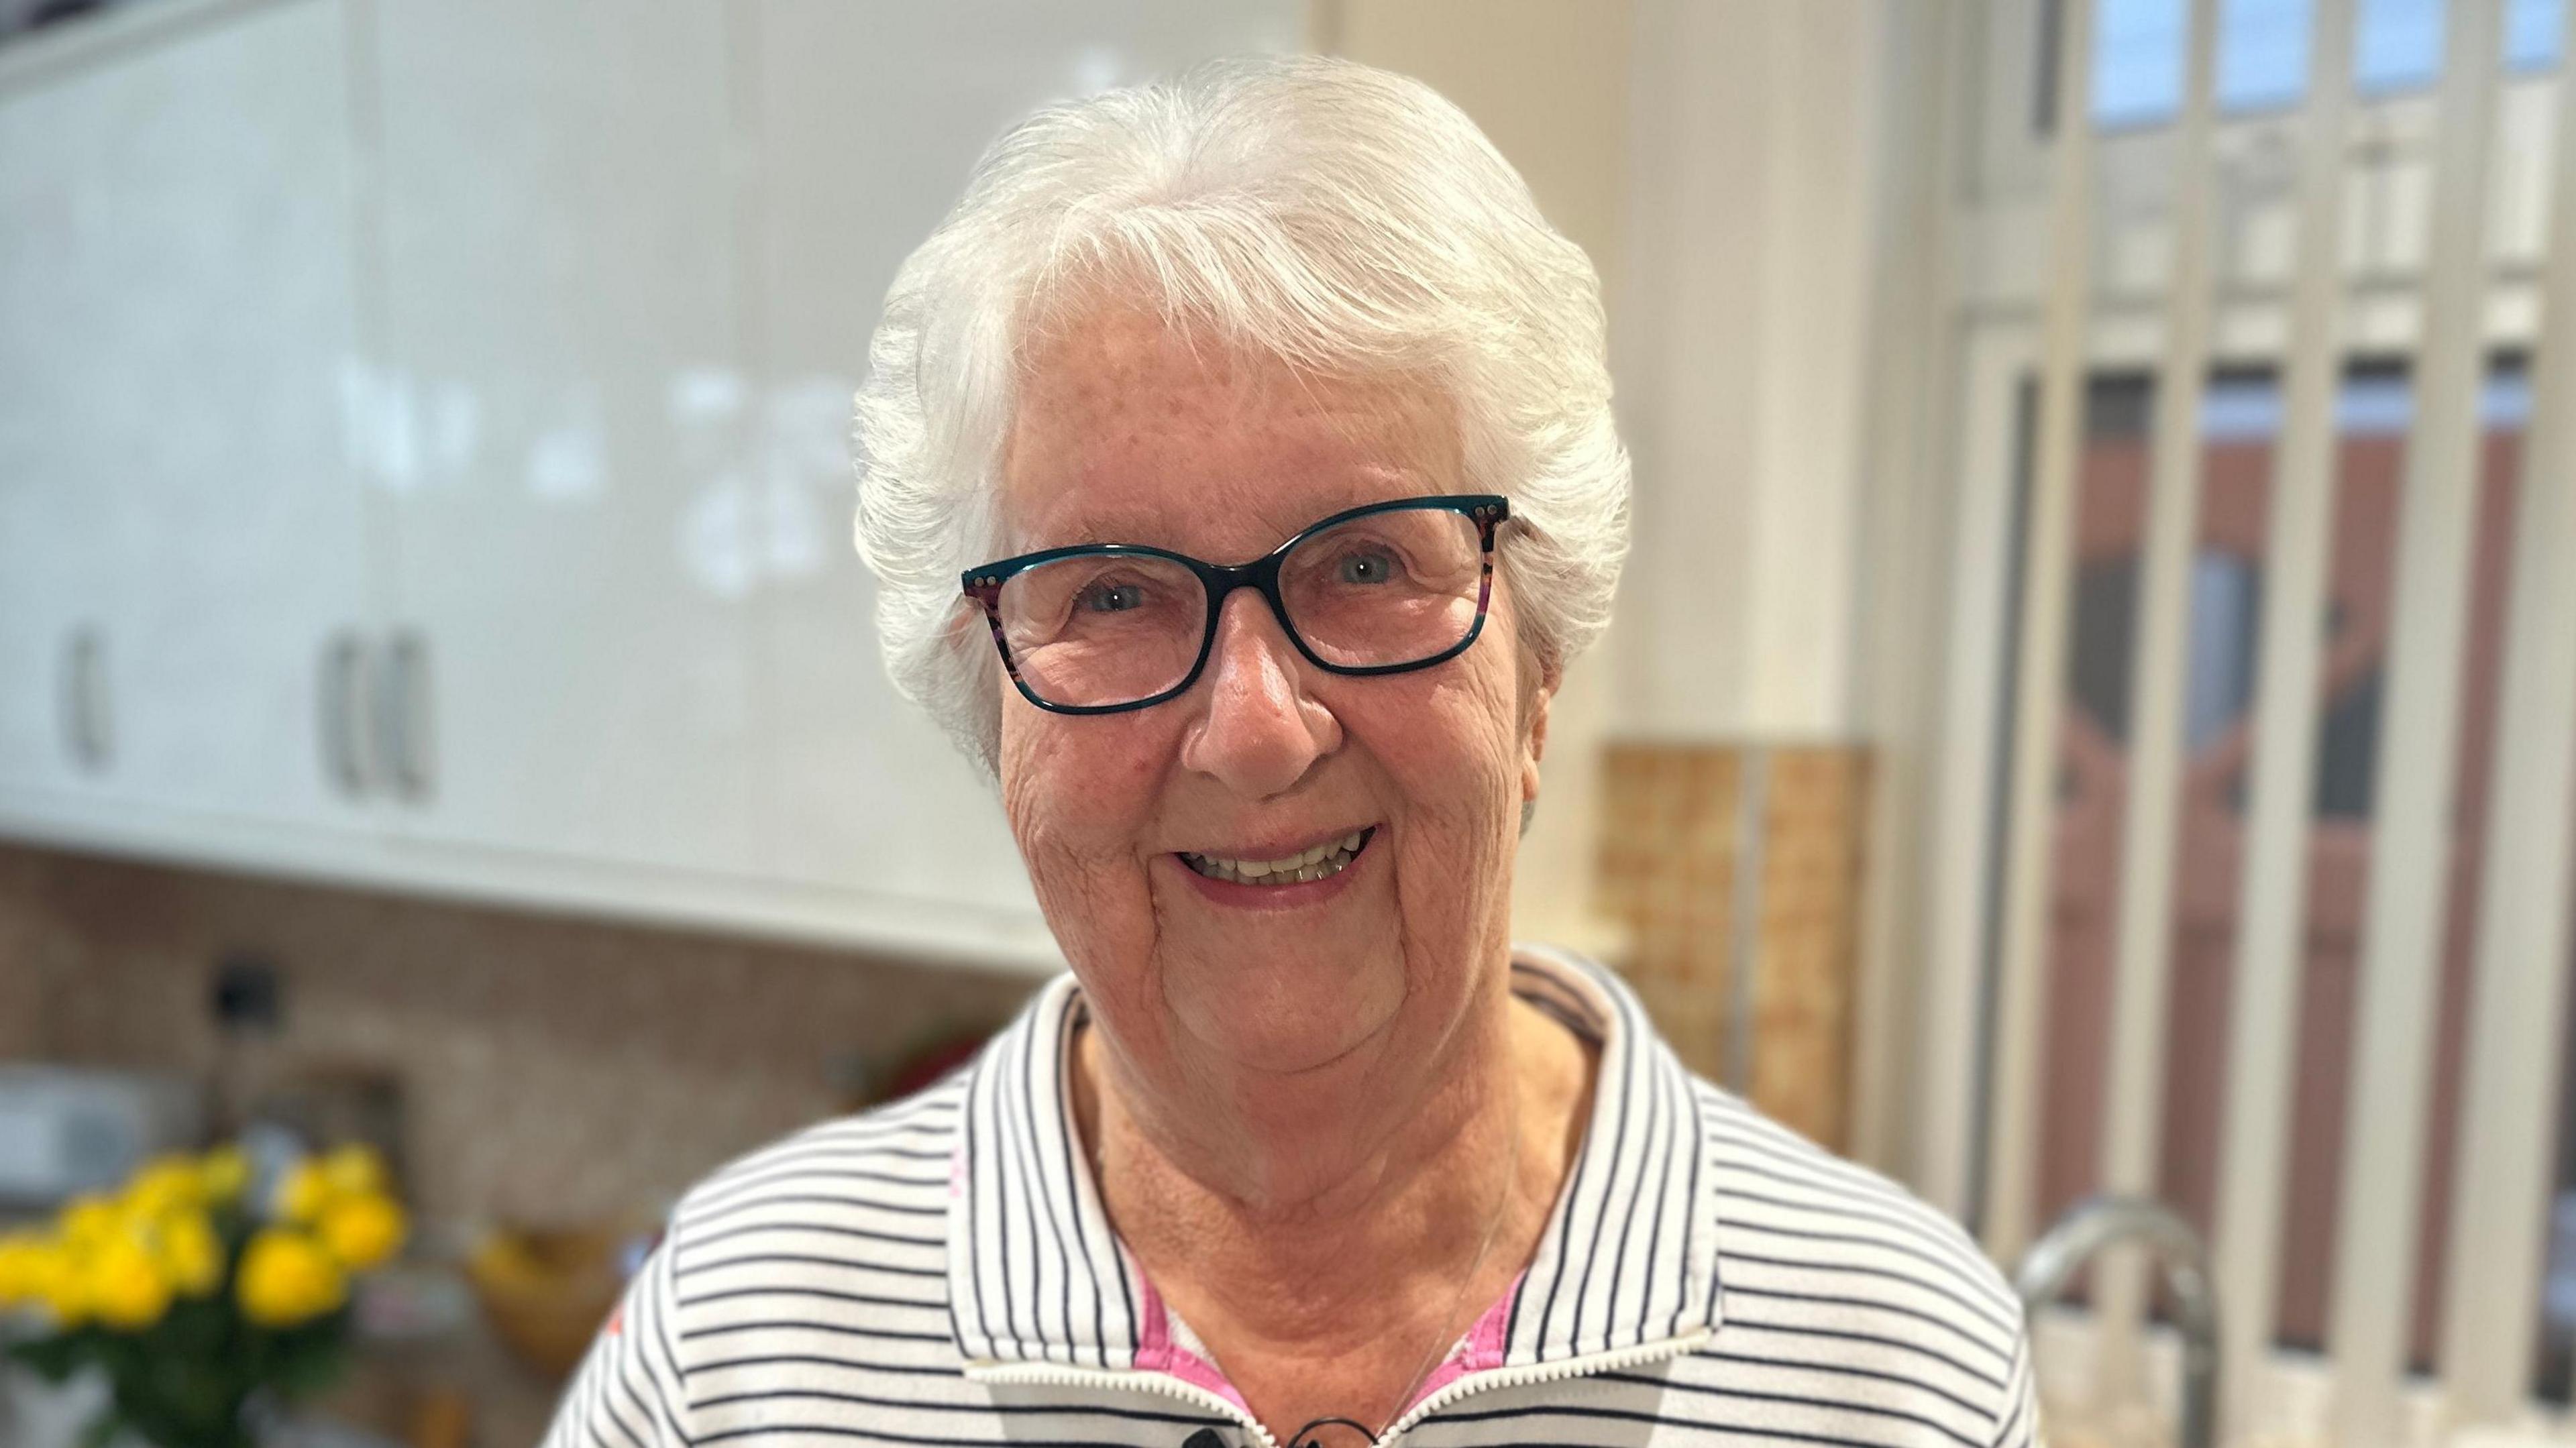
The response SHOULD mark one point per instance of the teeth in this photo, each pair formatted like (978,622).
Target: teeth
(1317,863)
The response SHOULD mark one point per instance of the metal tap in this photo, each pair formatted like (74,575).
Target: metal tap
(2099,1222)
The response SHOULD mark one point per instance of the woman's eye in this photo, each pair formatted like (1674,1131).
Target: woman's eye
(1112,598)
(1366,568)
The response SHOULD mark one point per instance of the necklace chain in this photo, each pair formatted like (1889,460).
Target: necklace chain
(1493,1225)
(1441,1341)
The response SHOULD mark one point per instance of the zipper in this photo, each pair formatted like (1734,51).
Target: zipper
(1062,1376)
(1581,1365)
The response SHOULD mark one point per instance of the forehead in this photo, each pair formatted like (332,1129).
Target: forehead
(1127,430)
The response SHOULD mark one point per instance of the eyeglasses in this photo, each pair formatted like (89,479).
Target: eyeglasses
(1101,627)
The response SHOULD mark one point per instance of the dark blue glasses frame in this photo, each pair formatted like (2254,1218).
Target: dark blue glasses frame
(1220,580)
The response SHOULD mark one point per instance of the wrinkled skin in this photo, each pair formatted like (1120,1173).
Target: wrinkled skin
(1292,1109)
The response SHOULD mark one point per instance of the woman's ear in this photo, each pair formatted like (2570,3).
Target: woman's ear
(1534,730)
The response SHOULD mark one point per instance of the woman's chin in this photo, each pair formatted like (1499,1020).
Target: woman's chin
(1282,1027)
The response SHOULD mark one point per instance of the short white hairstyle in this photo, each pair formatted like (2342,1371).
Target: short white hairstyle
(1341,219)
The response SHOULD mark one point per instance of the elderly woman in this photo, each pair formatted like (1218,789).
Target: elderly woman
(1241,476)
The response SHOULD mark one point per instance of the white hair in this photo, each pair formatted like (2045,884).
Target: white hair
(1336,217)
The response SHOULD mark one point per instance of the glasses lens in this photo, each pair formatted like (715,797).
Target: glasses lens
(1389,588)
(1099,629)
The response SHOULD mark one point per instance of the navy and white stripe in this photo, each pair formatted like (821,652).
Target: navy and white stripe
(1039,1274)
(1629,1258)
(1709,1277)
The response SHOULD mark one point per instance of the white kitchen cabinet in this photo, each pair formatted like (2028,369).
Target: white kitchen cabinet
(561,328)
(61,406)
(865,120)
(183,540)
(508,347)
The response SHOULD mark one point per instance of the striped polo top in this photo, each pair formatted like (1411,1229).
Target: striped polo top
(940,1271)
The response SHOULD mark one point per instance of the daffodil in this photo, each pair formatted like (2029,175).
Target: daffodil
(364,1229)
(304,1193)
(62,1283)
(288,1278)
(126,1286)
(22,1267)
(169,1184)
(191,1255)
(224,1172)
(354,1170)
(92,1219)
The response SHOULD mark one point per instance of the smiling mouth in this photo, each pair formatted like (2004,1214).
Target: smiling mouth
(1321,862)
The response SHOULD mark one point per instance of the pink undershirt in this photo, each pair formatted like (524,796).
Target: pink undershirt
(1158,1351)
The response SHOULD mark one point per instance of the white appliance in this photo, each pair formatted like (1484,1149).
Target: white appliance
(64,1131)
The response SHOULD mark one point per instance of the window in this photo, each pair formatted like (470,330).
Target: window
(2141,46)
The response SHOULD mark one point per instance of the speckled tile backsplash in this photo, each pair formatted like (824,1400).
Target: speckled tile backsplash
(1673,823)
(551,1069)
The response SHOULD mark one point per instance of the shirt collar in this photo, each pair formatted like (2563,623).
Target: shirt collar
(1629,1256)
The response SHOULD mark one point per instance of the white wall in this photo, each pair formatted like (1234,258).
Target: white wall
(1740,339)
(1755,180)
(1723,161)
(1548,80)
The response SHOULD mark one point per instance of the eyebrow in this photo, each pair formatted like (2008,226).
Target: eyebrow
(1364,490)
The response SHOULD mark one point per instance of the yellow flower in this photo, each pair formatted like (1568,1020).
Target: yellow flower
(169,1184)
(286,1278)
(225,1172)
(354,1170)
(125,1284)
(61,1282)
(304,1193)
(91,1219)
(22,1267)
(192,1256)
(364,1229)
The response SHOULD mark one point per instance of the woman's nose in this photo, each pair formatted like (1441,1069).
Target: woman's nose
(1258,731)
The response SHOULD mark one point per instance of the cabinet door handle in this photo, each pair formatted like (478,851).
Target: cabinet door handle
(343,704)
(85,701)
(405,714)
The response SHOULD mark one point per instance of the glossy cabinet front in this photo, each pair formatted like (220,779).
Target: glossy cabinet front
(865,120)
(557,267)
(424,442)
(183,537)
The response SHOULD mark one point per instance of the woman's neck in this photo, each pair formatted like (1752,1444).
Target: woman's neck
(1302,1250)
